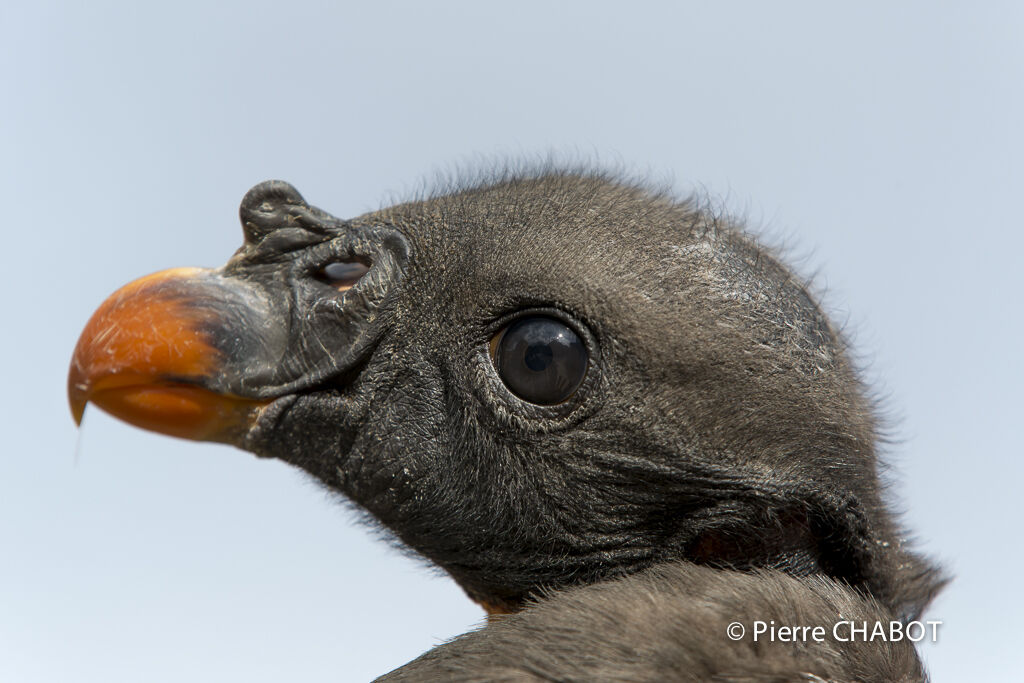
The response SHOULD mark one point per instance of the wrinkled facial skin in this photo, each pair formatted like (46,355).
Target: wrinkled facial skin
(718,420)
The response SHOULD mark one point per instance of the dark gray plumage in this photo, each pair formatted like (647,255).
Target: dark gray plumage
(716,462)
(669,623)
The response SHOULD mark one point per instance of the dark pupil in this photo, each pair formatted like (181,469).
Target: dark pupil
(538,356)
(541,360)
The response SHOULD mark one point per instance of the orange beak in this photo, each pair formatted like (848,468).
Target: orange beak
(147,357)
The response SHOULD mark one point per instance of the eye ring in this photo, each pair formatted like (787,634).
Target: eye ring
(540,359)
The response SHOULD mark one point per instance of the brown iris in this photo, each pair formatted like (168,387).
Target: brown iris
(540,359)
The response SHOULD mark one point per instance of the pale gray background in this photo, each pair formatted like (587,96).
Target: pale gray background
(883,141)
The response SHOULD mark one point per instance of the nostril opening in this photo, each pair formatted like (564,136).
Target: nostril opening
(342,274)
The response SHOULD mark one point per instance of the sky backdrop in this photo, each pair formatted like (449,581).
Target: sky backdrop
(882,142)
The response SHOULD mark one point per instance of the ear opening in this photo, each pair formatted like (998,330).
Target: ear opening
(805,532)
(870,554)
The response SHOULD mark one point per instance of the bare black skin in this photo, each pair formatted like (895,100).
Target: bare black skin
(718,463)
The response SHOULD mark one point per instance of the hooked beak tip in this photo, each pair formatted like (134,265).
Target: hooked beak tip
(78,411)
(145,357)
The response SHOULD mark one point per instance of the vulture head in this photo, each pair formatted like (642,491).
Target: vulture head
(537,382)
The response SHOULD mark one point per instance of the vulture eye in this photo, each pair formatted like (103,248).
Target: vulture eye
(343,274)
(541,360)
